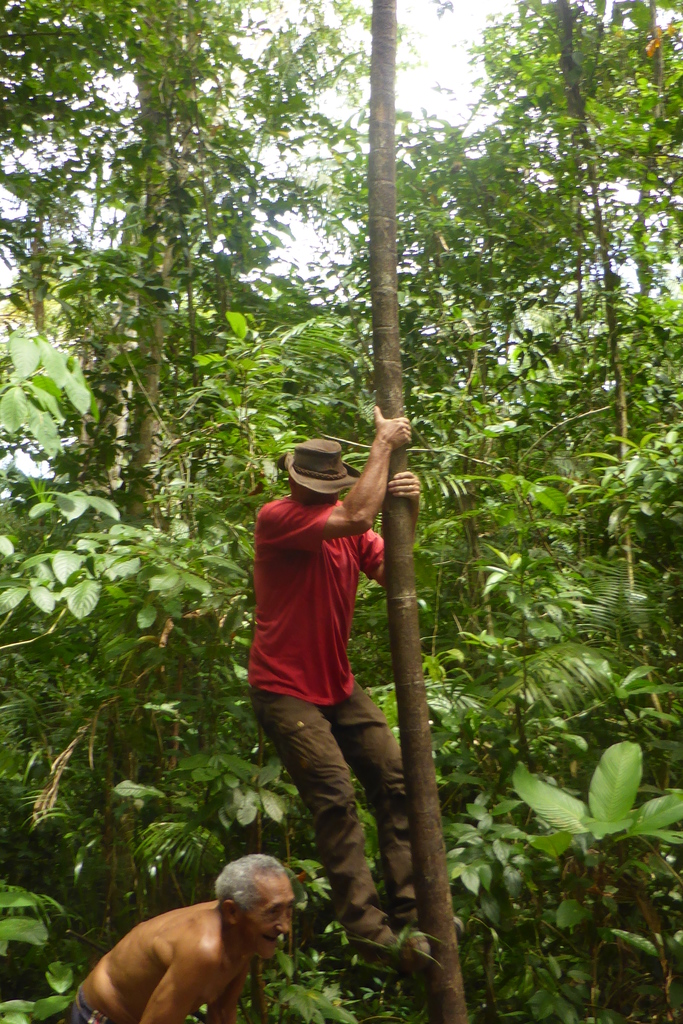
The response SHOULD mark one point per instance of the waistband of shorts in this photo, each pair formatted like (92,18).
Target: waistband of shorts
(92,1016)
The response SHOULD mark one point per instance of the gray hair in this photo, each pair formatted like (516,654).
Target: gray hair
(237,881)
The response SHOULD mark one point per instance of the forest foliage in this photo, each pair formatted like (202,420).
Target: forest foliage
(159,354)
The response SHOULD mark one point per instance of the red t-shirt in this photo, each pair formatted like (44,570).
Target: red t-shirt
(305,595)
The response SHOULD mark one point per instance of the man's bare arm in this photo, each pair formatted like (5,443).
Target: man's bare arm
(181,991)
(403,485)
(224,1009)
(357,512)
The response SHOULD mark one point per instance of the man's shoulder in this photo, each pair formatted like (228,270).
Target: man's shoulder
(197,935)
(275,507)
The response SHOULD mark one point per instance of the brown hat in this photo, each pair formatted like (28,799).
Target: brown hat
(317,465)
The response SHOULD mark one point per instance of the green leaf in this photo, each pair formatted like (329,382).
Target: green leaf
(72,506)
(43,599)
(17,899)
(615,782)
(471,880)
(6,546)
(59,976)
(600,828)
(555,845)
(43,428)
(12,598)
(166,581)
(103,505)
(65,563)
(24,353)
(570,913)
(40,509)
(13,409)
(83,598)
(12,1016)
(122,569)
(54,362)
(657,814)
(272,805)
(79,395)
(16,1006)
(47,1007)
(238,324)
(146,616)
(134,791)
(23,929)
(637,941)
(556,807)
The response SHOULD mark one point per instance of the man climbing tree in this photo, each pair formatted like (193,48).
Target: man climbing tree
(445,985)
(310,548)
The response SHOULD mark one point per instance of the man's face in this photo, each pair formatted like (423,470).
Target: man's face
(307,497)
(263,925)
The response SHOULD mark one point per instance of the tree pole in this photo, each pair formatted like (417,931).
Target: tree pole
(435,909)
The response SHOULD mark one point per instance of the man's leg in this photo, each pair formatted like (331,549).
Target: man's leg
(303,739)
(370,747)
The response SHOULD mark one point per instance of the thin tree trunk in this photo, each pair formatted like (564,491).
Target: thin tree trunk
(435,912)
(610,279)
(38,292)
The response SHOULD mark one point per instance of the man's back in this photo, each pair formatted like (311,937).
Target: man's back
(123,981)
(305,595)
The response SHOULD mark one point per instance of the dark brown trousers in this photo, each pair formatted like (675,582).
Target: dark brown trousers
(317,745)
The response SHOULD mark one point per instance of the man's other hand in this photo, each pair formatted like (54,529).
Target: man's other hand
(405,485)
(394,433)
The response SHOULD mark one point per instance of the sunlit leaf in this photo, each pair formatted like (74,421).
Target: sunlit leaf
(615,782)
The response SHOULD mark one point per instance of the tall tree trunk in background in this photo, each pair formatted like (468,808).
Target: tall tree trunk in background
(610,279)
(153,308)
(435,912)
(38,290)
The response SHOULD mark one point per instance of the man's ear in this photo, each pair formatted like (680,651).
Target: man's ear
(230,912)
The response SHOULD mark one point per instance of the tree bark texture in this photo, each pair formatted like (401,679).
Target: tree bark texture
(435,910)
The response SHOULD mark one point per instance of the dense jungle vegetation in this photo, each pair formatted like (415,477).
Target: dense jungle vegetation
(158,355)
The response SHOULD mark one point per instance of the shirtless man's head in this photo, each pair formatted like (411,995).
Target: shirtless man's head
(255,896)
(169,966)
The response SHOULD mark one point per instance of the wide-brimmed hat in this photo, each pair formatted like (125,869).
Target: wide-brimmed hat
(317,465)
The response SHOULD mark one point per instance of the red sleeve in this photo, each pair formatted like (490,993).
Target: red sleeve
(290,525)
(371,551)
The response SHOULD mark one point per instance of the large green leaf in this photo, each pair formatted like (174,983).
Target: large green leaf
(72,506)
(636,941)
(12,598)
(43,598)
(108,508)
(43,428)
(83,598)
(13,409)
(136,791)
(54,362)
(59,976)
(65,563)
(78,393)
(24,353)
(615,782)
(657,814)
(238,324)
(557,808)
(6,546)
(22,929)
(17,899)
(47,1007)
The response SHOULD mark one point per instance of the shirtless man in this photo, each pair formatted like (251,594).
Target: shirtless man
(169,966)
